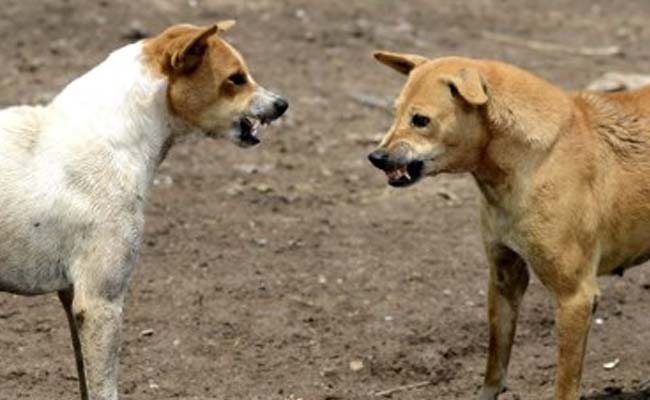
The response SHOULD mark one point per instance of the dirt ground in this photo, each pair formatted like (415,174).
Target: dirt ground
(266,272)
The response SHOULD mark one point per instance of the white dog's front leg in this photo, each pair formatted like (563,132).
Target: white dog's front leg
(99,324)
(99,292)
(100,278)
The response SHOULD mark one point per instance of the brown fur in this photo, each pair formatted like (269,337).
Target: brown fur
(565,179)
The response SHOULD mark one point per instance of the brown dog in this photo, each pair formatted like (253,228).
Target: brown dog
(565,183)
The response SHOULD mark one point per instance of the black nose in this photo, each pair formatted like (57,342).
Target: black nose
(379,158)
(280,105)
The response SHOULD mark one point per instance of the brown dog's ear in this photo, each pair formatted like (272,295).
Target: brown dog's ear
(403,63)
(469,85)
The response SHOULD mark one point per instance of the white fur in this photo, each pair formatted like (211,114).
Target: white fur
(70,171)
(73,178)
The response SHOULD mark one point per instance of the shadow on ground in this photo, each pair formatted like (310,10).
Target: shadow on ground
(643,394)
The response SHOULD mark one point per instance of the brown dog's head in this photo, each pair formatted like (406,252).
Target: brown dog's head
(210,87)
(438,123)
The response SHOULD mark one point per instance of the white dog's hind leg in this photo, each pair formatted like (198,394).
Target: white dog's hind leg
(66,297)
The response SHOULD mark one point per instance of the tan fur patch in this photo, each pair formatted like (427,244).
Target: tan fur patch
(202,96)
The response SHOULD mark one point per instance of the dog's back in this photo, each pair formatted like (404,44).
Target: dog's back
(20,129)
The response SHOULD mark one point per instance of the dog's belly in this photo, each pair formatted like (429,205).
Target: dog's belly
(616,263)
(34,279)
(625,234)
(626,246)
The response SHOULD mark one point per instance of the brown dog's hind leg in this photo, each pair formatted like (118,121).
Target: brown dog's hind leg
(66,297)
(509,279)
(573,321)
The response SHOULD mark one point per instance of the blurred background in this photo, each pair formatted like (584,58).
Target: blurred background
(291,271)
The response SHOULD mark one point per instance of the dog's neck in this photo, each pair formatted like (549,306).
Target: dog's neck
(524,118)
(122,103)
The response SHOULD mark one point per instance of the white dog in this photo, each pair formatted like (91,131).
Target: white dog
(74,175)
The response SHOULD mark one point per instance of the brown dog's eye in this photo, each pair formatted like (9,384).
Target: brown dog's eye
(454,91)
(238,79)
(420,121)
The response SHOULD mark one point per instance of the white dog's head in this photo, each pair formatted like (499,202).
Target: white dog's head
(210,86)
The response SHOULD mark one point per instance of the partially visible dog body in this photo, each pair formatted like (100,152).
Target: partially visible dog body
(74,175)
(565,183)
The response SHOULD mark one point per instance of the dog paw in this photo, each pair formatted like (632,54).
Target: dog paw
(491,393)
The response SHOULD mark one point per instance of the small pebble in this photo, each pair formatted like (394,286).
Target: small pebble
(356,365)
(147,332)
(612,364)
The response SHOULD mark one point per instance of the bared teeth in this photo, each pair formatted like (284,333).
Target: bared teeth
(398,173)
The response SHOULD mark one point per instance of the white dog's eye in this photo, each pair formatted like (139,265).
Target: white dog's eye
(238,79)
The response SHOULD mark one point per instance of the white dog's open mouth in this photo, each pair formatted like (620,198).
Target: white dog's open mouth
(249,129)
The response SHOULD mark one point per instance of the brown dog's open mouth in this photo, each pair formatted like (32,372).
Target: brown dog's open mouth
(405,175)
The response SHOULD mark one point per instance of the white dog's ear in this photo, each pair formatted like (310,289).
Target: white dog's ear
(403,63)
(469,85)
(226,25)
(191,53)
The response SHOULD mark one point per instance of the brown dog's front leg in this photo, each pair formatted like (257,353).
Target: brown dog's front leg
(573,321)
(509,279)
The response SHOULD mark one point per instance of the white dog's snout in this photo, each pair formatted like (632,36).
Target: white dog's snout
(267,104)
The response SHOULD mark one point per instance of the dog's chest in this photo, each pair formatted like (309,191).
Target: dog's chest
(500,227)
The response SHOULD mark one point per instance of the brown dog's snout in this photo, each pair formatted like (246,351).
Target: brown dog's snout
(380,159)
